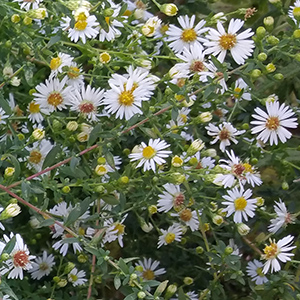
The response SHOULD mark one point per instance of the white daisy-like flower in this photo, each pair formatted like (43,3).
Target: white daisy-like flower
(243,172)
(114,231)
(3,116)
(77,277)
(239,203)
(151,154)
(241,90)
(139,9)
(127,93)
(113,24)
(172,197)
(277,251)
(173,233)
(150,268)
(19,260)
(203,163)
(282,219)
(224,133)
(38,153)
(212,72)
(42,266)
(28,4)
(254,270)
(271,124)
(186,36)
(189,218)
(63,246)
(221,42)
(86,102)
(85,27)
(74,76)
(57,63)
(294,9)
(194,61)
(52,95)
(35,112)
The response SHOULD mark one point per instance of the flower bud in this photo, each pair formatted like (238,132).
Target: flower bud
(205,117)
(12,210)
(177,161)
(108,12)
(243,229)
(104,58)
(123,180)
(285,186)
(260,201)
(133,276)
(69,267)
(66,189)
(296,34)
(141,295)
(5,256)
(255,74)
(219,17)
(15,81)
(199,250)
(38,134)
(272,40)
(101,160)
(15,18)
(218,220)
(262,56)
(260,32)
(169,9)
(269,23)
(296,13)
(228,250)
(270,68)
(72,126)
(297,56)
(278,76)
(83,137)
(171,290)
(246,126)
(9,171)
(152,209)
(27,20)
(196,146)
(177,178)
(62,283)
(39,13)
(193,161)
(188,280)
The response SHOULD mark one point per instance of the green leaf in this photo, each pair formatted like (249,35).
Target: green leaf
(4,104)
(181,294)
(46,223)
(94,135)
(78,211)
(26,190)
(174,113)
(130,297)
(160,289)
(117,282)
(4,288)
(110,159)
(70,240)
(102,21)
(10,245)
(74,163)
(123,9)
(50,158)
(110,199)
(53,40)
(175,88)
(123,266)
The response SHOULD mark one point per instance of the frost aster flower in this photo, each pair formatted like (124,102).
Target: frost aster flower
(277,251)
(222,41)
(271,124)
(254,270)
(149,155)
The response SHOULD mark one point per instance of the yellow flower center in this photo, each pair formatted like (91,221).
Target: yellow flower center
(105,57)
(55,99)
(164,28)
(148,275)
(43,266)
(101,170)
(127,13)
(183,118)
(74,278)
(272,123)
(189,35)
(55,63)
(107,20)
(126,98)
(296,11)
(170,237)
(240,203)
(177,161)
(227,41)
(148,152)
(120,227)
(35,156)
(271,251)
(248,168)
(34,108)
(186,215)
(259,272)
(73,72)
(80,25)
(237,91)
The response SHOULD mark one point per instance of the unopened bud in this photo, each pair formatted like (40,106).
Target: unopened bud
(177,161)
(270,68)
(62,283)
(296,34)
(38,134)
(255,73)
(141,295)
(260,32)
(199,250)
(195,147)
(228,250)
(269,23)
(66,189)
(285,186)
(205,117)
(9,171)
(12,210)
(72,125)
(169,9)
(272,40)
(105,57)
(27,20)
(260,201)
(262,56)
(69,267)
(278,76)
(243,229)
(188,280)
(171,290)
(218,220)
(15,18)
(152,209)
(177,178)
